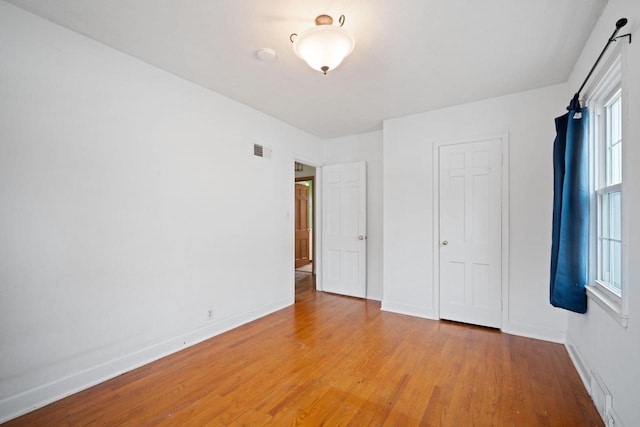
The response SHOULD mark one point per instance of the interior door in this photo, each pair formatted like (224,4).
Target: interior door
(470,232)
(302,230)
(344,226)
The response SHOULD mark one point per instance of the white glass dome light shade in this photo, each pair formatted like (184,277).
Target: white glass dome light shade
(324,47)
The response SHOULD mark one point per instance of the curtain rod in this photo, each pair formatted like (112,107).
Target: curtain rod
(621,23)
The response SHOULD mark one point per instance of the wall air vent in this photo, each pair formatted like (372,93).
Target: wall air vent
(261,151)
(602,398)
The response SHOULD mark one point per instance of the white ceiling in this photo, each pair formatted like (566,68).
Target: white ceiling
(411,56)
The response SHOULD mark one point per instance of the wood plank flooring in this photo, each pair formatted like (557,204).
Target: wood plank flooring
(333,360)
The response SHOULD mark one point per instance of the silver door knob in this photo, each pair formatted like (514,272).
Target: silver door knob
(445,243)
(361,237)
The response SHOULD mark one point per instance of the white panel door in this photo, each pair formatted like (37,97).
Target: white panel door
(344,226)
(470,232)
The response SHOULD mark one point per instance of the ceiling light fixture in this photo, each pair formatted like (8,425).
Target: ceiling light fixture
(324,46)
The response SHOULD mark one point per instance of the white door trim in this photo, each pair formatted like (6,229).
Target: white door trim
(504,138)
(317,223)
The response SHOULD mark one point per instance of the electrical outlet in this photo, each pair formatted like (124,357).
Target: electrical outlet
(210,313)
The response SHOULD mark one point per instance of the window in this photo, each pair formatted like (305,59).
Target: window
(608,194)
(606,137)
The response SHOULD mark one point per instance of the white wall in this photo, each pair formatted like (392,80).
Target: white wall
(365,147)
(528,118)
(121,228)
(603,346)
(130,205)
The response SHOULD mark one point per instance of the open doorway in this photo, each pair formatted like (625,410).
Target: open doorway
(304,253)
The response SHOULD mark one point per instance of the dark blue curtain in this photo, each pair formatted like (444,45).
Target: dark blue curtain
(570,244)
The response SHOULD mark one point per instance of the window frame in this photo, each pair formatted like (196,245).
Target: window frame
(608,83)
(602,186)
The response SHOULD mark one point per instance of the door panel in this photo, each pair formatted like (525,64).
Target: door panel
(302,230)
(470,232)
(344,229)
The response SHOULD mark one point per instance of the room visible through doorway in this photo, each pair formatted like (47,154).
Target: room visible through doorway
(304,218)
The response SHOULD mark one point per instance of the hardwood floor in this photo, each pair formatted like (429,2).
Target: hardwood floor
(332,360)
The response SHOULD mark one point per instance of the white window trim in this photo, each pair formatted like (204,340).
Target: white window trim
(607,300)
(612,76)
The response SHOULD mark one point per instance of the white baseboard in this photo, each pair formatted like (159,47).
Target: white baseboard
(613,419)
(520,329)
(578,362)
(589,378)
(409,310)
(535,331)
(37,397)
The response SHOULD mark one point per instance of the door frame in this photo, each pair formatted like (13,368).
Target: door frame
(504,252)
(317,223)
(313,216)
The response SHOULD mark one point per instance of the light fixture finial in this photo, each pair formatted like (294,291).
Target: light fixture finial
(324,20)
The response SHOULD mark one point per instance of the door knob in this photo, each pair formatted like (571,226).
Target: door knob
(445,243)
(361,237)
